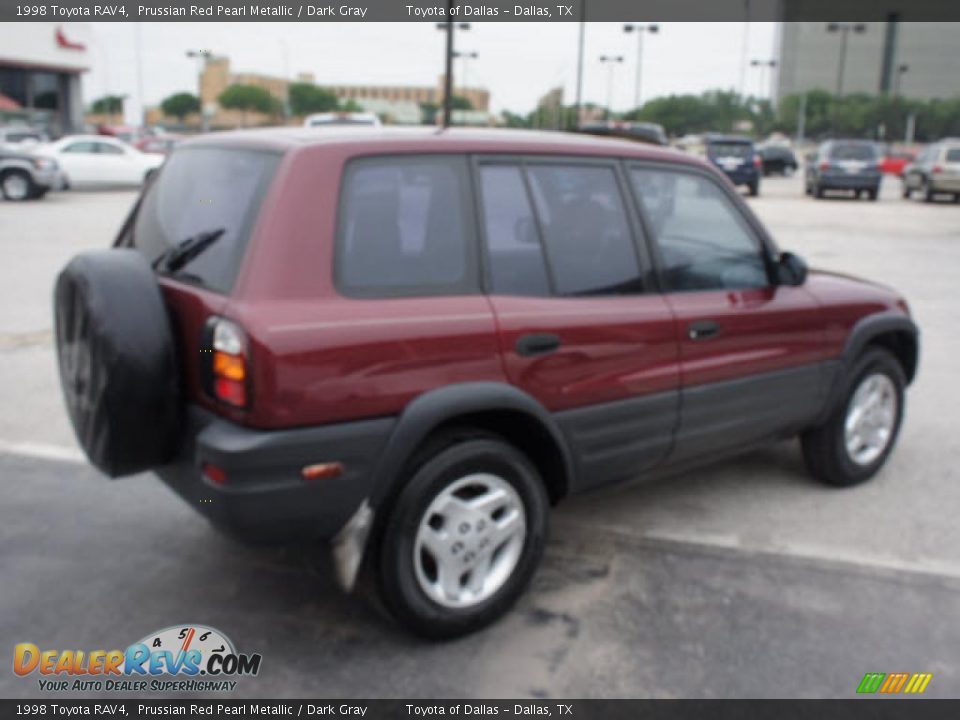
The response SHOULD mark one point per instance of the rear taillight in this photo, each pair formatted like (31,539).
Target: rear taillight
(824,165)
(229,369)
(937,169)
(757,162)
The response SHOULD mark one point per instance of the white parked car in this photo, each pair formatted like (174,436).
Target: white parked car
(341,118)
(90,160)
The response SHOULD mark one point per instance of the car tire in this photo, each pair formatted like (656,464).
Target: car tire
(439,533)
(818,192)
(16,185)
(754,189)
(118,366)
(833,452)
(39,192)
(873,194)
(905,191)
(927,192)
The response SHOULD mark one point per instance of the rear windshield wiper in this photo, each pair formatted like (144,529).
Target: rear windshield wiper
(185,251)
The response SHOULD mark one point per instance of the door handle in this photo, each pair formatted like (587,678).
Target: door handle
(703,329)
(538,344)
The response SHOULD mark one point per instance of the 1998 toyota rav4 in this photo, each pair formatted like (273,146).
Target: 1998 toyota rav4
(412,344)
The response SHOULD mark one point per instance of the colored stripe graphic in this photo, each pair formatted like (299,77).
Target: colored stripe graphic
(893,683)
(918,682)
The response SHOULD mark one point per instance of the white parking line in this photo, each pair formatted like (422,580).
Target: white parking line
(791,550)
(794,551)
(43,451)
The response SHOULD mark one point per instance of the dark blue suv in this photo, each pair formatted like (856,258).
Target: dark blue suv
(737,158)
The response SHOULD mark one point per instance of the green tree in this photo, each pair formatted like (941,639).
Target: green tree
(350,106)
(248,97)
(306,98)
(458,102)
(179,105)
(108,105)
(428,113)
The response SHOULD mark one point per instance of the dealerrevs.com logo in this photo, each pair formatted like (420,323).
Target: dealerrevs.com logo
(180,658)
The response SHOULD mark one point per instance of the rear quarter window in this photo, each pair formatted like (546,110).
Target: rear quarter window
(202,190)
(953,155)
(404,228)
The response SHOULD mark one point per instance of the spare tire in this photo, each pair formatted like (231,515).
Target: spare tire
(118,364)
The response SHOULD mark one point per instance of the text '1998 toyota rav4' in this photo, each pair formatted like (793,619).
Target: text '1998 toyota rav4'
(411,344)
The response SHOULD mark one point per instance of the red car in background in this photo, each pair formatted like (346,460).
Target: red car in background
(894,161)
(158,144)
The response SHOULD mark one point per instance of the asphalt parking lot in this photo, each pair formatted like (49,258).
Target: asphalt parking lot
(743,579)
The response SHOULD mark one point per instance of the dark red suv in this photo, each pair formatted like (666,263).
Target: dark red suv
(411,344)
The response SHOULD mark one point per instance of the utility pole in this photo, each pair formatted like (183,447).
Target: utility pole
(448,76)
(448,27)
(583,25)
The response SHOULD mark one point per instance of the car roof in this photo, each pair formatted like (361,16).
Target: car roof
(91,138)
(430,139)
(711,138)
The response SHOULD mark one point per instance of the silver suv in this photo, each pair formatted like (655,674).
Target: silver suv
(935,171)
(27,177)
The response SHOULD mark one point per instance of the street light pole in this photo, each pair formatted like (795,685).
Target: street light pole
(201,57)
(898,77)
(844,29)
(465,56)
(762,64)
(610,61)
(652,28)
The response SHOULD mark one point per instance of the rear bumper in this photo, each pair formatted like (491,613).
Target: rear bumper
(862,181)
(264,497)
(743,177)
(945,184)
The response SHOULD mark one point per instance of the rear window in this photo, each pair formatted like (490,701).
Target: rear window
(953,155)
(403,228)
(729,149)
(853,152)
(199,191)
(21,137)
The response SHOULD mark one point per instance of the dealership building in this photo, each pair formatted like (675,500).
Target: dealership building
(40,69)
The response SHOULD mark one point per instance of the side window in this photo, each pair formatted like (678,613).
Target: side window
(80,147)
(108,149)
(402,229)
(515,255)
(704,242)
(585,230)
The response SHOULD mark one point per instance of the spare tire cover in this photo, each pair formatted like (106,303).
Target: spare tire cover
(118,366)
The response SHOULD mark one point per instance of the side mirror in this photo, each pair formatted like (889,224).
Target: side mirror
(791,269)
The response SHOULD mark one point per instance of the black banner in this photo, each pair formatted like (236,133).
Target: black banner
(480,11)
(486,709)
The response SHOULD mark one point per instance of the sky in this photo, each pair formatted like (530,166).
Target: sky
(517,62)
